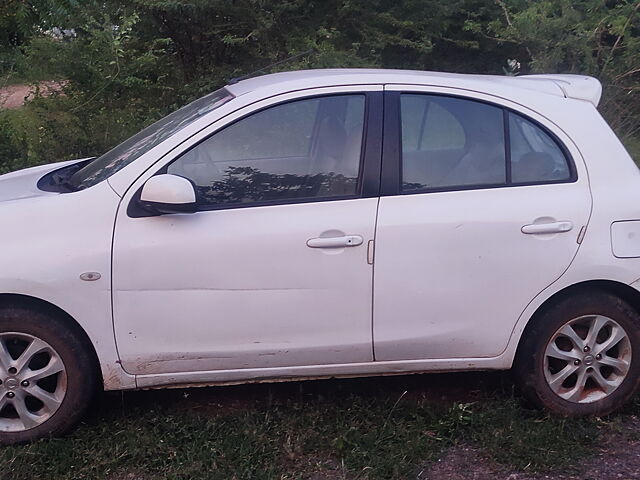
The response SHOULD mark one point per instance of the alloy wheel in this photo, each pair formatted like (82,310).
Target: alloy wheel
(587,359)
(33,381)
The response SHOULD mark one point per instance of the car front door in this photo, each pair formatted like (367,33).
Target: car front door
(272,270)
(482,209)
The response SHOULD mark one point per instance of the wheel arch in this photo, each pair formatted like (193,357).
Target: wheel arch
(620,290)
(48,308)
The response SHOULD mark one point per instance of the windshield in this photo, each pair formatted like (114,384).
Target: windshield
(133,148)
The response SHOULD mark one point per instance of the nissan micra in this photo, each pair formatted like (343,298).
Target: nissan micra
(329,223)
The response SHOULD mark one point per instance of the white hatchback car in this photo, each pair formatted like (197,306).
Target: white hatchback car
(329,223)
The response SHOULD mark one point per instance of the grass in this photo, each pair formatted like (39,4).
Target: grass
(368,428)
(633,147)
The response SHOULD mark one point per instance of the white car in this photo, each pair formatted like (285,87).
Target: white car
(329,223)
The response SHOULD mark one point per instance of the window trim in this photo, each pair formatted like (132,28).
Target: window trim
(391,183)
(368,180)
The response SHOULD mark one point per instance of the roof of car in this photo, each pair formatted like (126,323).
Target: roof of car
(579,87)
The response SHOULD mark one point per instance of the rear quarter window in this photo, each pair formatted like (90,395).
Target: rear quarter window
(535,156)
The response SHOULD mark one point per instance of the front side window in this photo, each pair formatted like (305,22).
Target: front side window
(299,150)
(449,142)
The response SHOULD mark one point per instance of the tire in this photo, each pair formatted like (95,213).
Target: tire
(573,375)
(48,376)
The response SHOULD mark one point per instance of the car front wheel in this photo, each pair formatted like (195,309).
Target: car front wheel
(582,356)
(46,376)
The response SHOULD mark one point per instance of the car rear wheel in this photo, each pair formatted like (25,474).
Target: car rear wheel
(46,376)
(582,356)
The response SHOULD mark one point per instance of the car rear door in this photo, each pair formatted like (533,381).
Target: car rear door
(482,208)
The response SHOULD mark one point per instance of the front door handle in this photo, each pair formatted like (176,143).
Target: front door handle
(335,242)
(554,227)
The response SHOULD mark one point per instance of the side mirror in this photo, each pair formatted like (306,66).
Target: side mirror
(167,193)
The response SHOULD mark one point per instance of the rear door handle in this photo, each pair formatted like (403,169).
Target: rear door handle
(554,227)
(335,242)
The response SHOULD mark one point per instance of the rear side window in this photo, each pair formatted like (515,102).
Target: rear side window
(429,126)
(453,142)
(450,142)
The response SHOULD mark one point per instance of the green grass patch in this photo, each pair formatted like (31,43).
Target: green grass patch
(377,428)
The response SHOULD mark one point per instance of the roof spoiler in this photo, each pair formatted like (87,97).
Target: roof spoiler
(579,87)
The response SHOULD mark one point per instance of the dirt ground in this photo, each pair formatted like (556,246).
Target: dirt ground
(618,459)
(14,96)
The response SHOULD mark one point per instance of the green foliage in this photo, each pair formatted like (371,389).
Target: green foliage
(589,37)
(126,64)
(12,147)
